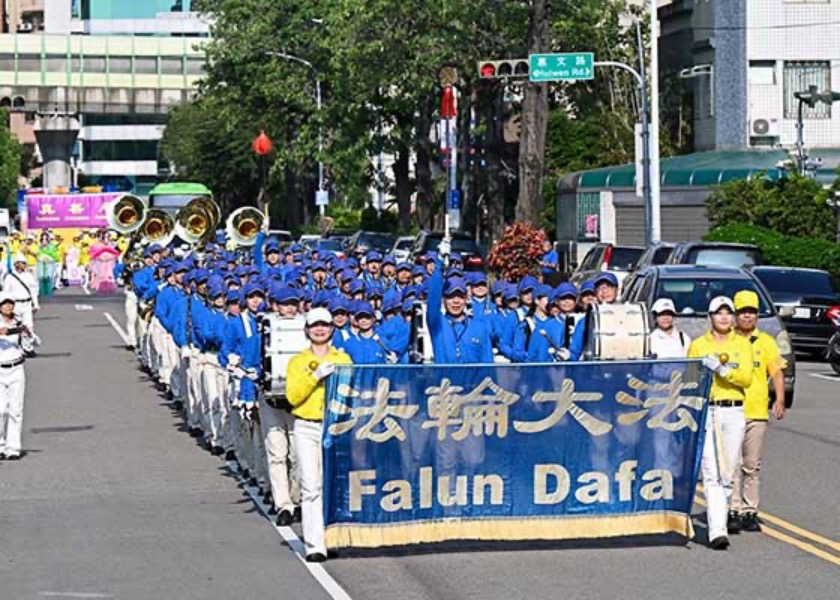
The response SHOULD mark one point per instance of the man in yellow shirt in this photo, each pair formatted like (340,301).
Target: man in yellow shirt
(767,362)
(729,356)
(306,390)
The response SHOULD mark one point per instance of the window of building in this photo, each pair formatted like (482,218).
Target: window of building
(29,62)
(195,66)
(762,72)
(172,66)
(119,65)
(56,64)
(145,65)
(7,62)
(116,119)
(799,75)
(93,64)
(120,150)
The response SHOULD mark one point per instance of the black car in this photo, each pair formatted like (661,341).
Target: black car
(716,254)
(656,253)
(361,242)
(463,244)
(692,287)
(804,298)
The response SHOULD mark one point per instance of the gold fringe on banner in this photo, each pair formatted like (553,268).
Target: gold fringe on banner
(503,529)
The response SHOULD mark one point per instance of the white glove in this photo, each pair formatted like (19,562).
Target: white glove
(233,360)
(324,370)
(391,358)
(237,372)
(564,353)
(250,374)
(445,247)
(186,352)
(722,370)
(712,362)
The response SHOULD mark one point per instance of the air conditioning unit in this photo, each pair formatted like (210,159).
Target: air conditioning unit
(25,28)
(765,127)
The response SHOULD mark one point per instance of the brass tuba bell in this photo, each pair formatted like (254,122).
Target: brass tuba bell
(197,219)
(244,224)
(125,214)
(159,227)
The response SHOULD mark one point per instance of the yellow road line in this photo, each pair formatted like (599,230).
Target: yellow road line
(810,535)
(783,537)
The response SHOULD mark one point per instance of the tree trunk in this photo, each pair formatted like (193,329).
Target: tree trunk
(403,187)
(496,182)
(423,164)
(534,123)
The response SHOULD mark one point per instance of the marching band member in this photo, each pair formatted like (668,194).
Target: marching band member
(730,357)
(209,334)
(586,296)
(606,288)
(20,284)
(275,417)
(366,347)
(13,332)
(306,390)
(541,338)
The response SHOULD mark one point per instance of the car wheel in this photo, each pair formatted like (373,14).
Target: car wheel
(836,366)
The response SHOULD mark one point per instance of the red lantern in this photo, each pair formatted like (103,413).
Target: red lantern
(262,144)
(447,103)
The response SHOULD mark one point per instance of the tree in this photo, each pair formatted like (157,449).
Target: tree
(10,162)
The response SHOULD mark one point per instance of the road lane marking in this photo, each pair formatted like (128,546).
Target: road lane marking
(783,537)
(826,377)
(74,595)
(324,579)
(117,328)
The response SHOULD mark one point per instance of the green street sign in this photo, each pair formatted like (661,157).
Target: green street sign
(561,67)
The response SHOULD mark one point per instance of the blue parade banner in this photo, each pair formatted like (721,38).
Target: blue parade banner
(427,453)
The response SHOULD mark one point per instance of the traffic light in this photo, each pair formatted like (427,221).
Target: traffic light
(503,69)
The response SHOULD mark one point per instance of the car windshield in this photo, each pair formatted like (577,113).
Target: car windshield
(691,296)
(404,244)
(328,245)
(378,241)
(460,245)
(801,283)
(723,257)
(661,255)
(624,259)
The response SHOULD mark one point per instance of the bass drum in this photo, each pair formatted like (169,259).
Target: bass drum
(282,339)
(617,332)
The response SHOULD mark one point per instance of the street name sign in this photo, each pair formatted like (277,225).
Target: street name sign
(576,66)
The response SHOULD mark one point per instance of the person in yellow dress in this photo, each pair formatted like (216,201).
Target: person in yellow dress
(730,357)
(306,390)
(767,363)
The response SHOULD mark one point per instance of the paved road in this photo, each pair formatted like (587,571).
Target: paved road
(114,500)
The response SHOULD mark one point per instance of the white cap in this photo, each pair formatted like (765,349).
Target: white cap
(663,305)
(318,315)
(6,297)
(19,257)
(719,302)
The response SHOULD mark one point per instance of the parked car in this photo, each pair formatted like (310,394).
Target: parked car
(462,243)
(402,248)
(804,298)
(692,287)
(308,238)
(283,237)
(656,253)
(718,254)
(326,245)
(361,242)
(339,235)
(619,260)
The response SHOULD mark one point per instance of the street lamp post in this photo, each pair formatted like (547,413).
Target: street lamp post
(321,205)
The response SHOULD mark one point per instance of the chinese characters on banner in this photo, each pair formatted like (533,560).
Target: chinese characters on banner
(431,453)
(57,211)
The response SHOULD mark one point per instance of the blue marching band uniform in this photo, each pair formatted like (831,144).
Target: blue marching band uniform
(200,332)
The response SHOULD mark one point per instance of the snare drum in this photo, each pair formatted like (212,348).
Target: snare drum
(617,332)
(282,339)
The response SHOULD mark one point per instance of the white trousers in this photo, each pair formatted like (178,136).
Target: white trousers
(308,449)
(23,310)
(192,380)
(131,318)
(12,389)
(213,405)
(721,456)
(278,438)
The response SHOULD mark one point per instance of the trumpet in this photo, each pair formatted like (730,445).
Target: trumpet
(126,214)
(197,219)
(244,224)
(559,353)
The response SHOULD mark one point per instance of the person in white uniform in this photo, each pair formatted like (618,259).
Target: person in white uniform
(22,287)
(12,378)
(666,341)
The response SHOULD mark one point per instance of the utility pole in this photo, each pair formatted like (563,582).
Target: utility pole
(655,179)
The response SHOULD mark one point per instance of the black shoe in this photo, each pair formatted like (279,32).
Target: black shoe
(272,511)
(246,474)
(267,499)
(751,522)
(195,432)
(298,514)
(719,543)
(230,455)
(285,519)
(13,457)
(252,481)
(315,557)
(735,522)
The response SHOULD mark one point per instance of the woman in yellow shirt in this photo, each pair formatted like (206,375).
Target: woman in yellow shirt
(306,390)
(729,356)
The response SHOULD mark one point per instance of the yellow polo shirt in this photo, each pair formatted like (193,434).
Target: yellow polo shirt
(305,393)
(740,375)
(767,361)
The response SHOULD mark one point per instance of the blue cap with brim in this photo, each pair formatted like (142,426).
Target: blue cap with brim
(606,277)
(253,288)
(361,307)
(454,286)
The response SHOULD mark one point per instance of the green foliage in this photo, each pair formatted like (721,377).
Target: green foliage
(778,249)
(10,162)
(793,206)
